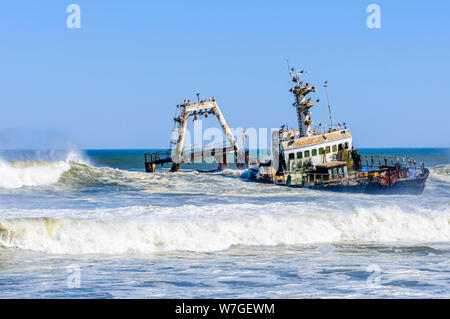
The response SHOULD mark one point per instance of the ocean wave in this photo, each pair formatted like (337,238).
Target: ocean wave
(219,227)
(16,174)
(73,170)
(85,174)
(440,173)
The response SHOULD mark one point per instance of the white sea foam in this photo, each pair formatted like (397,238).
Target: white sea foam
(34,173)
(440,173)
(220,227)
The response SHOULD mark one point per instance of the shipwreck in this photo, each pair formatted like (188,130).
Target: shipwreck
(315,157)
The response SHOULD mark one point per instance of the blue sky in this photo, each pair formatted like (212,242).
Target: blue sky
(115,82)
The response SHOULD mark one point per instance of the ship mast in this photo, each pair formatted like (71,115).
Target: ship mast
(301,103)
(329,106)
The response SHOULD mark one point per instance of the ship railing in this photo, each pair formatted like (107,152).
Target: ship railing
(187,150)
(324,129)
(378,161)
(158,156)
(315,131)
(194,148)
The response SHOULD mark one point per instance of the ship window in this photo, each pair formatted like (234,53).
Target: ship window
(334,148)
(299,155)
(314,152)
(291,156)
(346,145)
(321,151)
(341,147)
(306,153)
(328,149)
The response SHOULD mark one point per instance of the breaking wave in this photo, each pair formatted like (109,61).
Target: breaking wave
(85,174)
(34,173)
(75,171)
(190,228)
(440,173)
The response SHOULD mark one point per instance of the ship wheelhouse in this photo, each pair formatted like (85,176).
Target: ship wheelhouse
(303,152)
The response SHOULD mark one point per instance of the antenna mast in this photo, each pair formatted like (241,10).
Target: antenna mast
(329,107)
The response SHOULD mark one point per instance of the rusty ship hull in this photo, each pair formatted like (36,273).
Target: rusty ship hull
(414,186)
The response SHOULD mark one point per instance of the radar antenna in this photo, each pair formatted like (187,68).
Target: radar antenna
(329,107)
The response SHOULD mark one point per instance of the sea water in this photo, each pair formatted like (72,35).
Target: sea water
(93,224)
